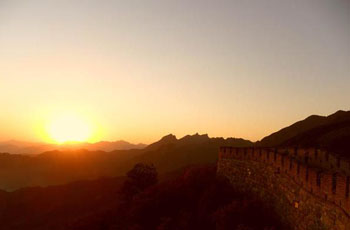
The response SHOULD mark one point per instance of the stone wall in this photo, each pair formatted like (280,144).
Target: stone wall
(318,158)
(309,188)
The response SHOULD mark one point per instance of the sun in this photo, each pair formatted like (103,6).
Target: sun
(69,128)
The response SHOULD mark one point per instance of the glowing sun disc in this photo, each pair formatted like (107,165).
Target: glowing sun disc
(69,128)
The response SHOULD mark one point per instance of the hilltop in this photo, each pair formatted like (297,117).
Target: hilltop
(328,132)
(171,153)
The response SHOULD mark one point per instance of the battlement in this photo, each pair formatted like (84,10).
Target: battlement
(315,158)
(318,172)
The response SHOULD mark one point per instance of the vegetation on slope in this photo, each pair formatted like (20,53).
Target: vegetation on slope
(194,199)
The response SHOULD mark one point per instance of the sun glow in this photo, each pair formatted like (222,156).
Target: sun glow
(69,127)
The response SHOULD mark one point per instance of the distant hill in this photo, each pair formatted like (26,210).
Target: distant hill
(60,167)
(171,153)
(329,132)
(20,147)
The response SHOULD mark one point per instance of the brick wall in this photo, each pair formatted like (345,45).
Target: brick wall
(310,175)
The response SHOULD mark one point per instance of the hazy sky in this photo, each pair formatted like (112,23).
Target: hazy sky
(140,69)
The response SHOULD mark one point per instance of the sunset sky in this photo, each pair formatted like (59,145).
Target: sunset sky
(140,69)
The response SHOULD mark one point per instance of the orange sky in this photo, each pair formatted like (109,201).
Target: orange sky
(137,71)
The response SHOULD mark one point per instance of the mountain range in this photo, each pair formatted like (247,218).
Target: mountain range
(21,147)
(67,164)
(60,167)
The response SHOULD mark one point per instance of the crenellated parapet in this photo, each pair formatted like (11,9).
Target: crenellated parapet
(320,174)
(310,156)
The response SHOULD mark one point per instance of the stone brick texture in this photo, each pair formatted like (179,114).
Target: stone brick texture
(309,188)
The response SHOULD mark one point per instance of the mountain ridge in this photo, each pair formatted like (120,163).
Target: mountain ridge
(330,132)
(21,147)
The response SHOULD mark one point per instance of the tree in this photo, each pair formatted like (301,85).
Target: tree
(140,177)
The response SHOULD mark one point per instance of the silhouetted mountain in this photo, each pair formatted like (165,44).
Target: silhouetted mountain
(59,167)
(330,132)
(165,141)
(19,147)
(171,153)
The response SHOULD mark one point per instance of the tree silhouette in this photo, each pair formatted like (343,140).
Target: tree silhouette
(140,177)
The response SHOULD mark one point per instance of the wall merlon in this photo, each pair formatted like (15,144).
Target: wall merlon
(317,171)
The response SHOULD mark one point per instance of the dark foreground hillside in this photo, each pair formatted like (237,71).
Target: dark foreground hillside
(192,199)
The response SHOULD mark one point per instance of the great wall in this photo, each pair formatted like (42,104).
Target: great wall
(309,188)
